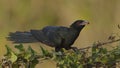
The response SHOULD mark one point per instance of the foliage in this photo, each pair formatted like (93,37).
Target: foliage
(24,58)
(97,56)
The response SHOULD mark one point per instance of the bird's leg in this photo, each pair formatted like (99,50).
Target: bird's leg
(57,49)
(59,52)
(73,48)
(67,48)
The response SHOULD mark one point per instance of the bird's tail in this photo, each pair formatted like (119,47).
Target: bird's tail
(21,37)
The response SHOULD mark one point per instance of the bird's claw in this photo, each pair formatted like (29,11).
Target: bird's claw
(75,49)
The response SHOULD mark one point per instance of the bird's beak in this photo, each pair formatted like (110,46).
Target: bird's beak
(85,23)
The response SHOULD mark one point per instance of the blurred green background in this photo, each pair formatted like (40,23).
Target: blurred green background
(23,15)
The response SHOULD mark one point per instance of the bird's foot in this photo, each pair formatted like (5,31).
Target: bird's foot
(75,49)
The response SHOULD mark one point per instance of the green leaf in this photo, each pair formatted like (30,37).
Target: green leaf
(20,47)
(13,57)
(10,54)
(44,52)
(94,49)
(33,63)
(80,66)
(104,59)
(27,56)
(103,50)
(33,52)
(30,54)
(8,51)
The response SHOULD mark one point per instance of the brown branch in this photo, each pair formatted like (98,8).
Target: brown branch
(101,44)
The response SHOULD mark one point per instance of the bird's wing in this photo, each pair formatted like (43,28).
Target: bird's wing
(54,35)
(51,32)
(40,36)
(68,34)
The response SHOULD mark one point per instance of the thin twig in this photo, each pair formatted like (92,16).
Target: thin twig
(101,44)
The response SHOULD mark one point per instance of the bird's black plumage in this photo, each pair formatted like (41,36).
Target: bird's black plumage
(54,36)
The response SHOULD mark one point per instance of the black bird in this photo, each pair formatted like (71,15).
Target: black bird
(54,36)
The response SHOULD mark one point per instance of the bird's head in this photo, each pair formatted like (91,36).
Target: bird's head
(79,24)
